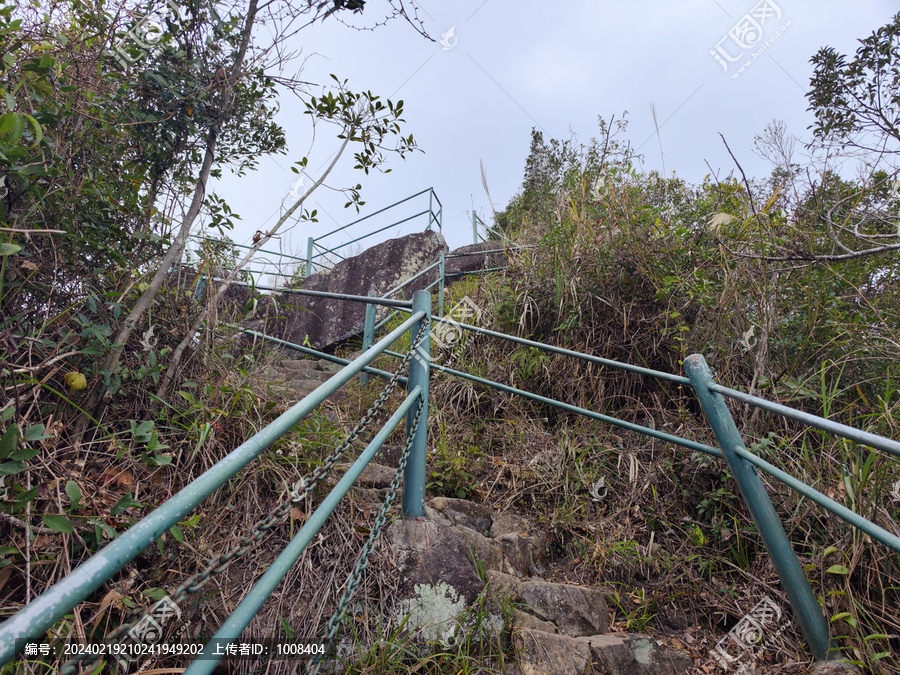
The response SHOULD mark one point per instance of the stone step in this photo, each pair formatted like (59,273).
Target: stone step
(557,628)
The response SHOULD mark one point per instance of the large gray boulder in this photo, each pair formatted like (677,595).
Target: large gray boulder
(472,258)
(297,318)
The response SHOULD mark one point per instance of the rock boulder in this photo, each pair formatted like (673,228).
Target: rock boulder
(323,322)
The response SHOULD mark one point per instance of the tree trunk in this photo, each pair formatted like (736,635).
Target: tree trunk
(198,322)
(111,362)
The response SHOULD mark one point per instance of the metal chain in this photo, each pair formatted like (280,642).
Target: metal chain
(297,494)
(362,562)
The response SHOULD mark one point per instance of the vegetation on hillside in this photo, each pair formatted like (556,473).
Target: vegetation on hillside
(113,117)
(788,285)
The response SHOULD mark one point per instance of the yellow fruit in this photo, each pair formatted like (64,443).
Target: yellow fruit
(75,380)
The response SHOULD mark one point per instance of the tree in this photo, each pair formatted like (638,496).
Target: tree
(361,117)
(857,103)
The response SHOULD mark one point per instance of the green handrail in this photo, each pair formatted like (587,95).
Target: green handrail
(793,579)
(790,572)
(37,617)
(240,618)
(245,246)
(836,428)
(433,217)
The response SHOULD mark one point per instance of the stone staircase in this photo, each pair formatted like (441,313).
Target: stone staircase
(293,379)
(557,628)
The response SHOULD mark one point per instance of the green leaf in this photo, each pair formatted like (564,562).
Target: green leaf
(6,121)
(38,132)
(25,453)
(9,249)
(177,533)
(10,468)
(74,493)
(35,432)
(8,441)
(18,126)
(162,460)
(845,616)
(26,497)
(59,524)
(142,429)
(156,593)
(125,503)
(103,527)
(193,521)
(838,569)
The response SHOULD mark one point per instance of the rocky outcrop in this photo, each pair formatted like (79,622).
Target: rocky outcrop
(292,379)
(467,259)
(575,611)
(541,653)
(556,629)
(322,322)
(439,585)
(501,541)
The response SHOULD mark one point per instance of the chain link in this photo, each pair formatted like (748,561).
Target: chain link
(362,562)
(297,494)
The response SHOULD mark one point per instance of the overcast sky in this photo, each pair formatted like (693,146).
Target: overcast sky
(499,68)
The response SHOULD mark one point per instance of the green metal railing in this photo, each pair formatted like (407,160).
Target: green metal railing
(434,213)
(36,618)
(40,615)
(371,327)
(261,261)
(476,235)
(743,465)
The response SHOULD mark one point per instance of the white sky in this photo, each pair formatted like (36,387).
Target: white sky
(556,66)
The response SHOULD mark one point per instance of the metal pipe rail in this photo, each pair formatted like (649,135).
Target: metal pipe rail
(836,428)
(433,218)
(322,355)
(639,370)
(382,210)
(365,236)
(240,618)
(387,302)
(630,426)
(261,250)
(793,579)
(40,615)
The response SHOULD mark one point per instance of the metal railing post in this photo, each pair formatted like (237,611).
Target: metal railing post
(309,255)
(368,334)
(793,580)
(430,210)
(414,475)
(474,228)
(441,263)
